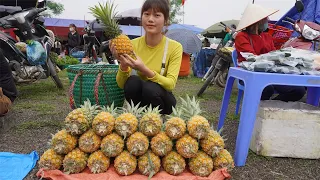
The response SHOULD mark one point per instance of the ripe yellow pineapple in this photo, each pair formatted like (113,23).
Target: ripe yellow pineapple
(175,126)
(98,162)
(75,161)
(50,160)
(125,164)
(201,165)
(137,144)
(112,145)
(187,146)
(63,142)
(198,126)
(106,14)
(149,164)
(212,144)
(151,122)
(223,160)
(79,120)
(89,142)
(127,123)
(174,163)
(103,123)
(161,144)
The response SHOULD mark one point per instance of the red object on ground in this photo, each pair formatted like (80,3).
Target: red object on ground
(279,34)
(185,65)
(111,174)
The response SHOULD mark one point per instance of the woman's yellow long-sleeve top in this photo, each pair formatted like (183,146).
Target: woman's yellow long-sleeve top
(152,58)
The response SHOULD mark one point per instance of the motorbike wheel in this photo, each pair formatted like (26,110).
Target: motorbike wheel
(221,79)
(54,74)
(207,82)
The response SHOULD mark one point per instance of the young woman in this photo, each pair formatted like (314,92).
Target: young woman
(157,64)
(73,37)
(254,39)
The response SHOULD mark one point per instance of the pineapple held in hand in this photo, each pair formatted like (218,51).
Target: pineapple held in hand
(201,165)
(63,142)
(103,123)
(212,144)
(50,160)
(187,146)
(175,126)
(198,126)
(125,164)
(223,160)
(89,142)
(137,144)
(149,164)
(151,122)
(112,145)
(75,161)
(106,14)
(127,123)
(174,163)
(161,144)
(79,120)
(98,162)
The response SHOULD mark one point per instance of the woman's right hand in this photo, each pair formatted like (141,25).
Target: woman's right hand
(124,65)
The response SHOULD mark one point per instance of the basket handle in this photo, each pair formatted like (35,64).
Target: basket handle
(72,103)
(96,88)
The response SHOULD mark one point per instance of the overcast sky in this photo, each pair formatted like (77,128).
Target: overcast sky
(201,13)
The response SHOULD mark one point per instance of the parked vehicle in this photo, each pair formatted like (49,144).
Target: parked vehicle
(28,26)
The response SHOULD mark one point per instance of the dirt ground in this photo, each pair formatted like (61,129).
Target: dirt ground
(40,109)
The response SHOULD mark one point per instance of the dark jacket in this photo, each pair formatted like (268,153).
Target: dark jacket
(74,39)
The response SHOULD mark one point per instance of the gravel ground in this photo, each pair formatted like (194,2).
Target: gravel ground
(41,108)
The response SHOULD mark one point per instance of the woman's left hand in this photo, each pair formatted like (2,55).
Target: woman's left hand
(136,64)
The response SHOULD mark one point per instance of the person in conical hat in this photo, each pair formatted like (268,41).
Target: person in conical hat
(254,38)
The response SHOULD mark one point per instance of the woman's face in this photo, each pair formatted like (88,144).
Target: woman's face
(152,21)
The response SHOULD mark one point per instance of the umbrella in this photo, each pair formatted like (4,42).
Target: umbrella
(130,17)
(195,29)
(217,30)
(189,41)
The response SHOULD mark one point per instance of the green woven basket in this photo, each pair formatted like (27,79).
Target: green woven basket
(96,83)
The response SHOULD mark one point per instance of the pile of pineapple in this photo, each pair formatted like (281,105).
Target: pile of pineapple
(137,138)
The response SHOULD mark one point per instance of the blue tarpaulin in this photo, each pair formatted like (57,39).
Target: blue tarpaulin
(192,28)
(311,13)
(16,166)
(202,62)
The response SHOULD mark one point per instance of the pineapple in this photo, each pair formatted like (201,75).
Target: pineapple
(174,163)
(50,160)
(137,144)
(201,165)
(223,160)
(149,164)
(75,161)
(125,164)
(63,142)
(151,122)
(213,144)
(79,120)
(106,13)
(198,126)
(175,127)
(112,145)
(103,123)
(127,123)
(98,162)
(187,146)
(161,144)
(89,142)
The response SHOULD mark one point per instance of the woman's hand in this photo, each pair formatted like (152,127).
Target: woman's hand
(124,64)
(138,64)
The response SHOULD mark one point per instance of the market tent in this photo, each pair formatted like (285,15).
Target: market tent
(192,28)
(217,29)
(311,13)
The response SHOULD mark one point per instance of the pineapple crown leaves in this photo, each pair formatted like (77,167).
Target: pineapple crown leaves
(110,109)
(136,110)
(150,109)
(190,106)
(106,13)
(92,109)
(151,166)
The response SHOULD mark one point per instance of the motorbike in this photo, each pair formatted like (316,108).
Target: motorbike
(28,26)
(91,43)
(219,68)
(309,32)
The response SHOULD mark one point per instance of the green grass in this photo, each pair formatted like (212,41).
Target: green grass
(38,125)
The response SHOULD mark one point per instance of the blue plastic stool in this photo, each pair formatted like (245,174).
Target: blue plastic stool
(240,87)
(255,82)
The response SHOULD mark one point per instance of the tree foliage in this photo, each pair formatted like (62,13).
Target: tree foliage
(175,11)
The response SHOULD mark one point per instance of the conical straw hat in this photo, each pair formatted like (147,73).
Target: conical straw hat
(252,14)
